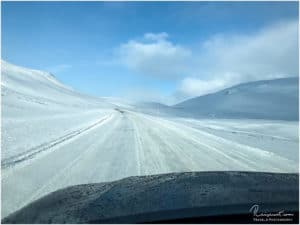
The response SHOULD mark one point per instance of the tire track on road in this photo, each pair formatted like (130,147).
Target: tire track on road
(247,157)
(138,145)
(33,152)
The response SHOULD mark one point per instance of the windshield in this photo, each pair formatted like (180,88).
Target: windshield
(99,91)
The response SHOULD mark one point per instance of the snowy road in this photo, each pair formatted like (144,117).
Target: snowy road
(121,144)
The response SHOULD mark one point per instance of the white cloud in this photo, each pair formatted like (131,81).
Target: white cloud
(223,60)
(226,60)
(155,56)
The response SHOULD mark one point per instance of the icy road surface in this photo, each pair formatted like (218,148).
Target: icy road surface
(119,144)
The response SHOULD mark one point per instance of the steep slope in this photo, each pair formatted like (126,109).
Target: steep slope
(268,99)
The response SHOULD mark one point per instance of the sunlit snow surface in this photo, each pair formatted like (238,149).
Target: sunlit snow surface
(53,137)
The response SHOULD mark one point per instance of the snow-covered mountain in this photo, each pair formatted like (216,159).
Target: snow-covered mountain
(267,99)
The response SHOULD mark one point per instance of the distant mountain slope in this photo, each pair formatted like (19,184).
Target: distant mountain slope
(267,99)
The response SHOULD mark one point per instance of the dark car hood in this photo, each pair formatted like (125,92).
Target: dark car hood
(164,198)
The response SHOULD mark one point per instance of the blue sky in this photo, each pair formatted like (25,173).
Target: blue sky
(160,51)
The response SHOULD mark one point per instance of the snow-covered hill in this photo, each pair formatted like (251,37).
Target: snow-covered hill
(268,99)
(37,108)
(26,87)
